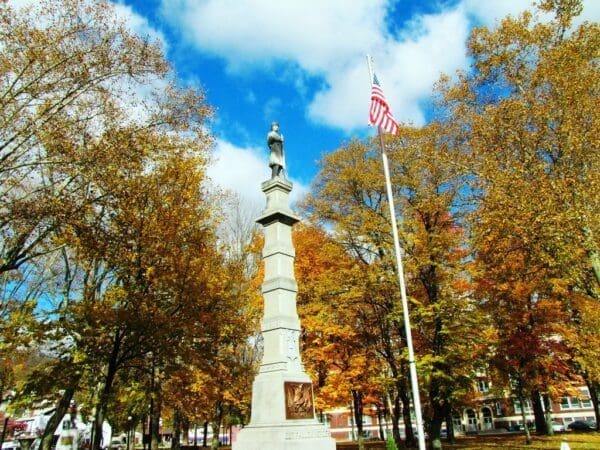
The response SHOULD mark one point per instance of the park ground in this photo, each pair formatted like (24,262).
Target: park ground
(576,441)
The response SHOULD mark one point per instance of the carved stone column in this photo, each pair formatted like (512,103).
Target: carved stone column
(283,415)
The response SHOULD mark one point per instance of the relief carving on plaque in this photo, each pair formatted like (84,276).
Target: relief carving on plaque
(298,400)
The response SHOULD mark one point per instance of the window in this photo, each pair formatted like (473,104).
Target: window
(517,406)
(483,386)
(575,403)
(498,408)
(456,421)
(567,402)
(366,420)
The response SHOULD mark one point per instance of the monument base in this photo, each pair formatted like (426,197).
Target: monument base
(283,416)
(301,436)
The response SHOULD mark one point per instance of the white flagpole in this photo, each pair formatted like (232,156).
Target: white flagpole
(414,381)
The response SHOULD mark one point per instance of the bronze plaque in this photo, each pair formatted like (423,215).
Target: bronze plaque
(298,400)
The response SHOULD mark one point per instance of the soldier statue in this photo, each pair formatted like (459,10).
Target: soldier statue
(276,158)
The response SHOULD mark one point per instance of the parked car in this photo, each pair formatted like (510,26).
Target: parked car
(582,425)
(558,427)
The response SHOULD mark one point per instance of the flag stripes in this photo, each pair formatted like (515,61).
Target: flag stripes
(380,114)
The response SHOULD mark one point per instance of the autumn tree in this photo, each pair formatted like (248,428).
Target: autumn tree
(213,383)
(452,333)
(119,192)
(223,368)
(527,115)
(164,270)
(63,69)
(350,196)
(335,344)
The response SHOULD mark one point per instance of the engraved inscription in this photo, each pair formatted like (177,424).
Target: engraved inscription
(298,400)
(275,367)
(307,434)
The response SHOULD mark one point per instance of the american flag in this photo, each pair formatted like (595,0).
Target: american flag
(380,114)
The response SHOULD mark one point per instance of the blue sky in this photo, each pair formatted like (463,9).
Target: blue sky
(302,63)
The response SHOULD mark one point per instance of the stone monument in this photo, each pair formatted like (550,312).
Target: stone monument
(283,413)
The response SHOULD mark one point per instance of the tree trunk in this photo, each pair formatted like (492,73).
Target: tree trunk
(538,413)
(594,389)
(521,398)
(548,414)
(205,434)
(593,256)
(440,412)
(185,429)
(450,426)
(61,409)
(102,403)
(215,423)
(97,435)
(411,440)
(395,411)
(380,422)
(155,419)
(214,443)
(176,441)
(357,400)
(4,428)
(148,437)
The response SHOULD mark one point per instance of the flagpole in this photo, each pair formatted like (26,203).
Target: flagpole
(414,381)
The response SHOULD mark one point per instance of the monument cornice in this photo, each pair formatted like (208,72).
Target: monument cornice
(285,283)
(277,215)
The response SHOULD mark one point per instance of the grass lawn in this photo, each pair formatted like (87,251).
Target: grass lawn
(507,441)
(589,441)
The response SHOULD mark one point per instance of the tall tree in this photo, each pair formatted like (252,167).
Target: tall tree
(119,192)
(350,196)
(214,377)
(527,115)
(335,344)
(157,242)
(63,70)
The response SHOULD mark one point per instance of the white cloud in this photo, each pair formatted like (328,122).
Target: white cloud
(330,39)
(490,13)
(17,4)
(137,24)
(591,11)
(242,170)
(407,70)
(313,33)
